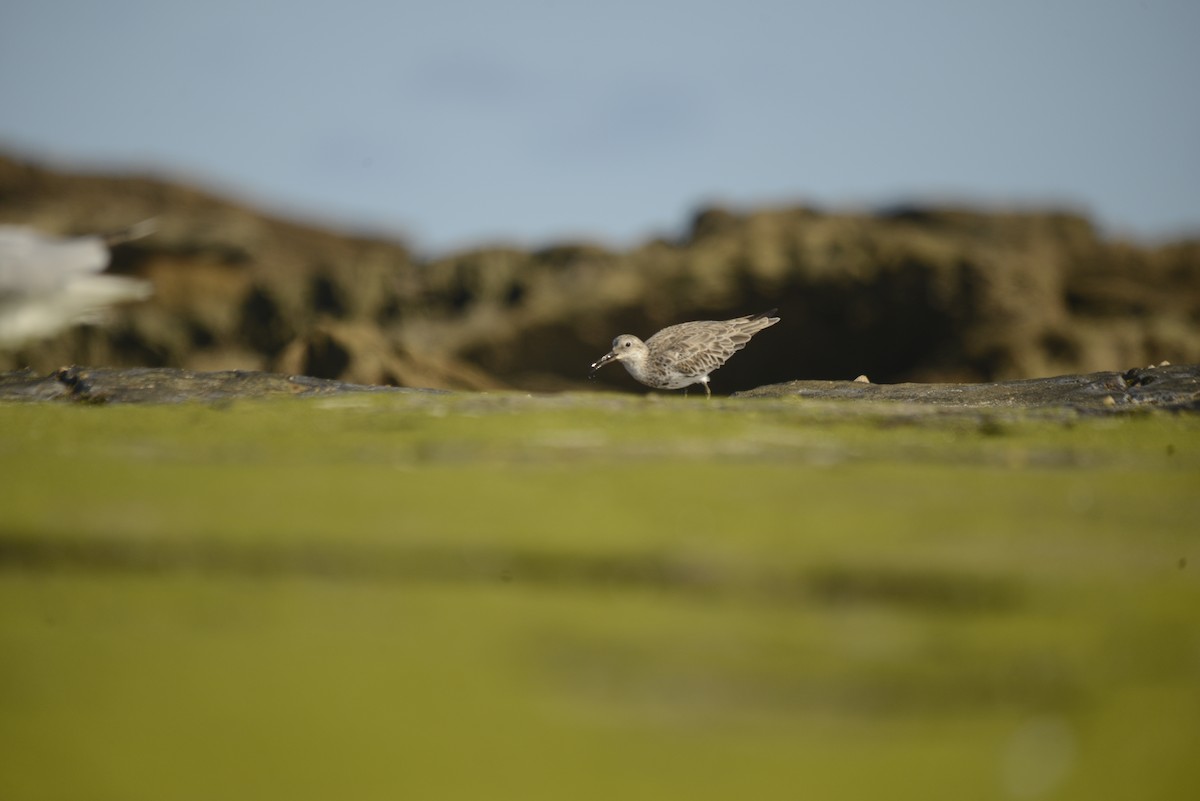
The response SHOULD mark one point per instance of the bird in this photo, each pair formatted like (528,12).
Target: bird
(49,283)
(684,354)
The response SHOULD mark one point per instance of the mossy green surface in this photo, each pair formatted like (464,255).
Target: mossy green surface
(496,596)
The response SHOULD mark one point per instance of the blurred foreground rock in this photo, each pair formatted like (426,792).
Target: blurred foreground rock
(908,294)
(167,385)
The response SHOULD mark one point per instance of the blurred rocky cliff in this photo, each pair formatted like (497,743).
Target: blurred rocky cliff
(921,294)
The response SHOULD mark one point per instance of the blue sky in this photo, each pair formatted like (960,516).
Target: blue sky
(453,123)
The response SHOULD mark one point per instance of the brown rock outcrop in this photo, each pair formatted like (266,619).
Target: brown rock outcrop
(907,294)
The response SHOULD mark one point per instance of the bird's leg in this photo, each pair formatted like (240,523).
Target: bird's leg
(707,391)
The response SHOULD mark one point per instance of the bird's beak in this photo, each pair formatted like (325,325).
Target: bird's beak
(603,360)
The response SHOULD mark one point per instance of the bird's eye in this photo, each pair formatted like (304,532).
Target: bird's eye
(627,344)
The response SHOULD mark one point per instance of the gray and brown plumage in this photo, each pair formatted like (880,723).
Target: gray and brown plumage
(685,354)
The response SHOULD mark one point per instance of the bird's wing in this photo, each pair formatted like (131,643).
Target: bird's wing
(698,348)
(31,262)
(47,283)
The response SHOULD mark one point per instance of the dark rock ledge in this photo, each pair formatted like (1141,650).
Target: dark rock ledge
(1168,387)
(1171,387)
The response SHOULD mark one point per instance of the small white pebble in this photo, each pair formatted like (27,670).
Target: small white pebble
(862,379)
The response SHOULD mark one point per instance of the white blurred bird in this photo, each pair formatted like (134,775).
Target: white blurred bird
(50,283)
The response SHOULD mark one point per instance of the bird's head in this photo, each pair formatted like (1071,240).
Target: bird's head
(625,348)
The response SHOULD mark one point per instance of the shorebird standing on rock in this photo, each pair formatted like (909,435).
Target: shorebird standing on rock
(685,354)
